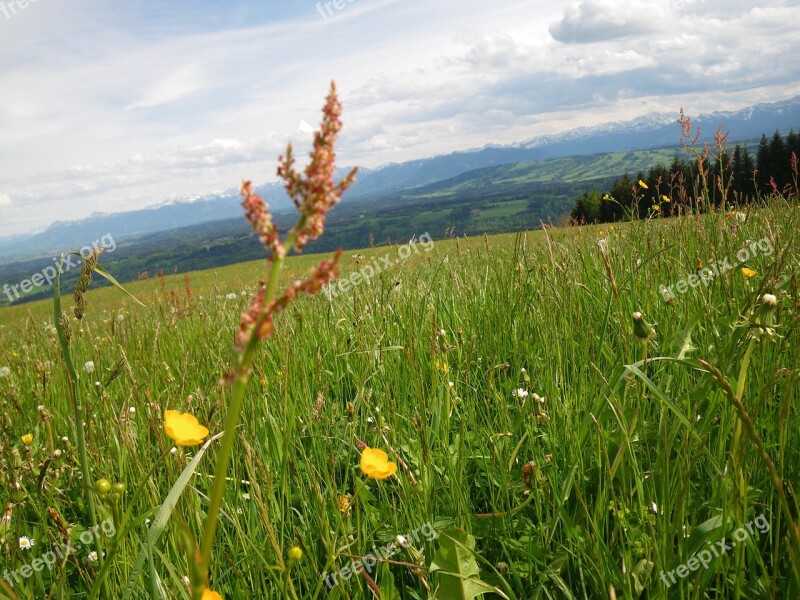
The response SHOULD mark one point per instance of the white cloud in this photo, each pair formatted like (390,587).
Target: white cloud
(5,199)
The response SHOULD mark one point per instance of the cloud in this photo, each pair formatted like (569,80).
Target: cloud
(5,199)
(603,20)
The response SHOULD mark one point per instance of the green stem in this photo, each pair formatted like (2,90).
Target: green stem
(234,412)
(737,466)
(72,378)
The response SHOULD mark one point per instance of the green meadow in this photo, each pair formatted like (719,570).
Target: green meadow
(547,444)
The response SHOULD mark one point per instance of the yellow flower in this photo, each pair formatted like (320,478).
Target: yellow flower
(656,208)
(184,429)
(344,504)
(606,197)
(209,595)
(375,464)
(749,272)
(643,185)
(441,366)
(295,554)
(666,198)
(27,439)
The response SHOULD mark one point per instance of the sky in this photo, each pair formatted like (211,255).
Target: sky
(111,106)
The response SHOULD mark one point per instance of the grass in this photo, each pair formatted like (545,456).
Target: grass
(628,468)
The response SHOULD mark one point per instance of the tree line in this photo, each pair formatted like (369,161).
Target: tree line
(730,178)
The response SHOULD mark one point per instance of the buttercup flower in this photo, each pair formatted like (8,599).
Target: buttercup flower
(749,272)
(209,595)
(27,439)
(666,198)
(643,185)
(184,428)
(375,464)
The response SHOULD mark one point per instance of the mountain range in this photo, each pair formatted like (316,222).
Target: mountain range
(654,130)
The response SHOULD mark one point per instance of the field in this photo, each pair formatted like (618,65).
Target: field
(548,445)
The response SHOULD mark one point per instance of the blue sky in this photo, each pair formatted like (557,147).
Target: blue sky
(110,106)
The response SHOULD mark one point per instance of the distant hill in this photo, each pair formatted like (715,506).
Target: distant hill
(385,185)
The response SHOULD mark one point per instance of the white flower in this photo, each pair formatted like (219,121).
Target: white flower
(401,541)
(65,439)
(230,296)
(26,543)
(132,409)
(120,318)
(450,384)
(602,243)
(147,522)
(92,556)
(741,217)
(245,496)
(186,581)
(173,450)
(769,299)
(538,398)
(243,293)
(88,366)
(4,372)
(520,393)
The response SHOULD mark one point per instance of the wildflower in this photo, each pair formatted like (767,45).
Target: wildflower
(769,300)
(120,318)
(132,410)
(295,554)
(520,393)
(344,504)
(315,193)
(26,543)
(375,464)
(184,428)
(147,522)
(210,595)
(401,541)
(88,366)
(749,272)
(27,439)
(92,557)
(666,198)
(643,185)
(186,581)
(231,296)
(245,496)
(641,328)
(607,197)
(441,366)
(4,372)
(656,208)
